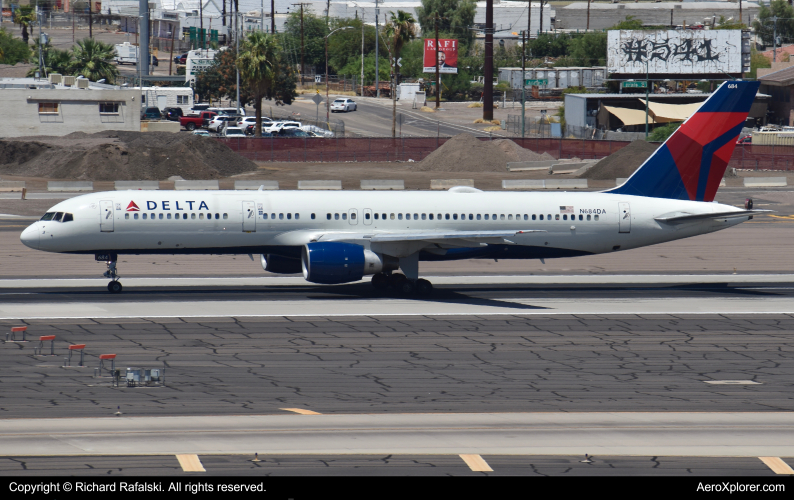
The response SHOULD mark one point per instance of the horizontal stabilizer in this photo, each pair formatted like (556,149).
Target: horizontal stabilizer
(682,217)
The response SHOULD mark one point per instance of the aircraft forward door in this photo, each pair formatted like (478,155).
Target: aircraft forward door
(352,216)
(106,216)
(624,212)
(249,217)
(367,217)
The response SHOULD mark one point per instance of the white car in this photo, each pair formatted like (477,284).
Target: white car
(233,132)
(317,131)
(219,121)
(275,127)
(250,120)
(343,104)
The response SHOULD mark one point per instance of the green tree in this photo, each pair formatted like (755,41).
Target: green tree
(660,134)
(258,65)
(724,24)
(344,48)
(757,60)
(55,61)
(549,45)
(630,23)
(455,16)
(12,50)
(764,26)
(589,49)
(94,60)
(400,30)
(25,16)
(220,79)
(314,31)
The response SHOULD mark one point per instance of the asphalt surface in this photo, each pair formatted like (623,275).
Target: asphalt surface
(384,465)
(252,366)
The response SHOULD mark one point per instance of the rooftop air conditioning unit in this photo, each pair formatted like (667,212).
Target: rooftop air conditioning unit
(55,78)
(82,83)
(68,81)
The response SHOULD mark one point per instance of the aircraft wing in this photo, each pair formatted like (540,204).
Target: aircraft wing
(441,238)
(682,217)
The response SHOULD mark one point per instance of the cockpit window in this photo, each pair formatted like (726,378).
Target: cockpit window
(67,218)
(48,216)
(57,216)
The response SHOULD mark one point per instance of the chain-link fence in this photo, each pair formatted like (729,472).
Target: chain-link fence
(531,126)
(335,125)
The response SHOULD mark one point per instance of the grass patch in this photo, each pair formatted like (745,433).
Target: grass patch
(425,109)
(475,105)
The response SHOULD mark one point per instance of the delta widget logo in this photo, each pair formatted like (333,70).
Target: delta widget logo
(132,207)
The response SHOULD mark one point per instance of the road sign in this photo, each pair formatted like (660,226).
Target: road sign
(538,82)
(633,85)
(317,99)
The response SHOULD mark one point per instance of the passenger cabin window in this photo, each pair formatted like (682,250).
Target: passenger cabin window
(312,216)
(353,216)
(588,216)
(143,216)
(344,216)
(596,217)
(126,216)
(225,216)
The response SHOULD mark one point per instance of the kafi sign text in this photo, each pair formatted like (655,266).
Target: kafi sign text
(446,56)
(675,52)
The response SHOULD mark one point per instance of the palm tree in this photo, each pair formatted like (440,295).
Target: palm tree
(259,69)
(24,17)
(401,29)
(55,61)
(94,60)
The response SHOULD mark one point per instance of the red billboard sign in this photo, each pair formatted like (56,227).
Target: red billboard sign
(446,56)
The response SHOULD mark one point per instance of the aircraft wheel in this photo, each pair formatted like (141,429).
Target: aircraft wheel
(406,287)
(424,287)
(114,287)
(380,281)
(396,280)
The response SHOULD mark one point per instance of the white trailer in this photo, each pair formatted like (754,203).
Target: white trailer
(126,53)
(167,97)
(198,61)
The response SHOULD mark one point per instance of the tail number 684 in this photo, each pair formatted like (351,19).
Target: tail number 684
(733,86)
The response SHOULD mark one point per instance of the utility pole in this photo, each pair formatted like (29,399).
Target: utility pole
(523,80)
(90,20)
(143,48)
(302,45)
(362,53)
(487,99)
(647,84)
(327,10)
(171,58)
(272,16)
(529,21)
(774,41)
(223,13)
(588,15)
(237,38)
(438,82)
(541,17)
(377,53)
(740,12)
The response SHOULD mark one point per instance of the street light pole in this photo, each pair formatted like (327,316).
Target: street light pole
(327,104)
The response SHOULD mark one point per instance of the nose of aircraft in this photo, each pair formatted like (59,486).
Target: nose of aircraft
(30,236)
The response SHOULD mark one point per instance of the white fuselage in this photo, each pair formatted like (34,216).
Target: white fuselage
(174,222)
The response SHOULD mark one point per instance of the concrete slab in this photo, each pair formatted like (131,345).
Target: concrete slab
(137,185)
(553,433)
(527,166)
(255,185)
(523,184)
(70,186)
(765,182)
(382,184)
(566,184)
(11,186)
(320,185)
(195,185)
(450,183)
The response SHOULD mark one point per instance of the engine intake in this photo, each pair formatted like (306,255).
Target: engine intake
(280,265)
(335,262)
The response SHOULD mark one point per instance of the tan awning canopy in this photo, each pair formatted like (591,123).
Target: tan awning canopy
(630,116)
(665,113)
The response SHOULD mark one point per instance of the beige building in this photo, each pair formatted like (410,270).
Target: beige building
(65,105)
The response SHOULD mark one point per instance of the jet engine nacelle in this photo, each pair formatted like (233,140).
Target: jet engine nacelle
(335,262)
(280,265)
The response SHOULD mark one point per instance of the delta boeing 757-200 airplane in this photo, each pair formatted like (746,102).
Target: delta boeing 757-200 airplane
(339,237)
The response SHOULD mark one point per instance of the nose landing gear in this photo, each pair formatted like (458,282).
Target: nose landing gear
(115,285)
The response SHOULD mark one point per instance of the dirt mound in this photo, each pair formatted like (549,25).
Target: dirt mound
(466,153)
(622,163)
(120,155)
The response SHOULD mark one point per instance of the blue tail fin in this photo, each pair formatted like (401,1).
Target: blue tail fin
(691,162)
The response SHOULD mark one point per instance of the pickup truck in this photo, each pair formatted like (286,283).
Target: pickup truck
(198,120)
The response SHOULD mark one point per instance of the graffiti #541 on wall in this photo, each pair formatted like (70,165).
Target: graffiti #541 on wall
(674,51)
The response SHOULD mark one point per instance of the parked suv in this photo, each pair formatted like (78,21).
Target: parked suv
(275,127)
(173,114)
(221,121)
(151,114)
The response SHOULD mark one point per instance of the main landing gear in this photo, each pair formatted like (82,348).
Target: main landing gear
(402,284)
(115,285)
